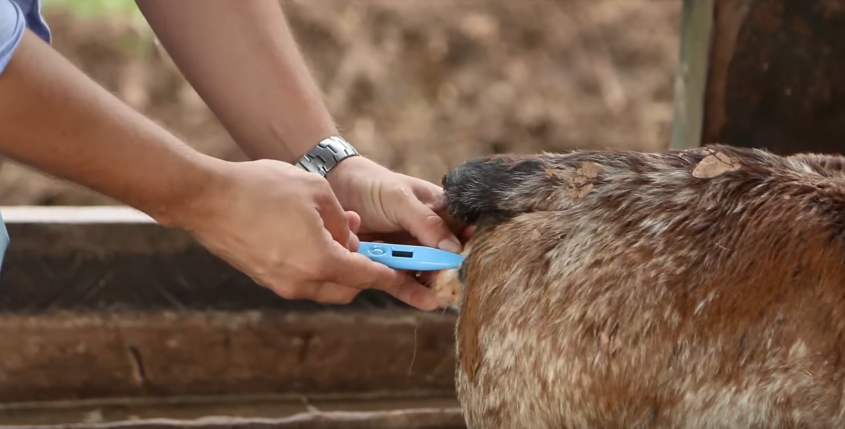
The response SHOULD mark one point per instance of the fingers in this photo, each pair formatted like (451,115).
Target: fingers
(430,194)
(468,232)
(393,238)
(354,221)
(354,225)
(352,269)
(411,292)
(333,293)
(357,271)
(353,243)
(424,224)
(344,272)
(457,227)
(407,291)
(335,219)
(326,293)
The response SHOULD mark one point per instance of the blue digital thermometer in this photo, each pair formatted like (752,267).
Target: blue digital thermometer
(414,258)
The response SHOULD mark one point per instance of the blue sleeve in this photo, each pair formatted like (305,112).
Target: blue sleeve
(12,25)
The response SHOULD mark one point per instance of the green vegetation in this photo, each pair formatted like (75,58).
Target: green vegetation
(95,8)
(138,41)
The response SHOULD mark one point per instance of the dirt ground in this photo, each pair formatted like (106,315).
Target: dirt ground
(420,85)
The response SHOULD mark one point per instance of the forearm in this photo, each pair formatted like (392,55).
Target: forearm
(241,58)
(56,119)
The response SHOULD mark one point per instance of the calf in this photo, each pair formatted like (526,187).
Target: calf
(688,289)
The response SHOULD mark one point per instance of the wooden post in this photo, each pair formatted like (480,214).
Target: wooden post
(691,76)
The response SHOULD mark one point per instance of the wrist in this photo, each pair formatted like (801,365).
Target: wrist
(187,199)
(341,175)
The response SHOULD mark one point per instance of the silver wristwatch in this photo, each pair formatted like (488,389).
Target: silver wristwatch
(327,154)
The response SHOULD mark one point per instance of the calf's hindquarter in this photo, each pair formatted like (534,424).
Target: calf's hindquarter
(654,299)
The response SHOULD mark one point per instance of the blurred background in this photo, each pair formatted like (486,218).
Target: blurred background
(418,85)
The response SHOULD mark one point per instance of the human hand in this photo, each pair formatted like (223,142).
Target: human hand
(285,229)
(395,208)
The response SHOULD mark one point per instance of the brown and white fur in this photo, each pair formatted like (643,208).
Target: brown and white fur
(686,289)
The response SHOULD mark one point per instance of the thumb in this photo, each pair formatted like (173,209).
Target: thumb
(424,224)
(355,270)
(354,220)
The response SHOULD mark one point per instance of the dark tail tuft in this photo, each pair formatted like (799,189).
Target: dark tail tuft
(482,187)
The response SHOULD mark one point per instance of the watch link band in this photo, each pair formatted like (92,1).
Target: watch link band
(326,155)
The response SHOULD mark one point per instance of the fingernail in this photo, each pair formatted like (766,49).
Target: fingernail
(450,244)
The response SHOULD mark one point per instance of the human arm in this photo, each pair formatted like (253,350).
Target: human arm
(242,59)
(288,239)
(57,120)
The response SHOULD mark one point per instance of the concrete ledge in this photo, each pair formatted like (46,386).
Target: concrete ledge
(73,214)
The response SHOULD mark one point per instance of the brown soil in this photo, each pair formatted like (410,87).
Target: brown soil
(421,86)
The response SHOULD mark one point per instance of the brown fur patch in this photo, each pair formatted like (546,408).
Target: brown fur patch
(656,299)
(474,309)
(822,164)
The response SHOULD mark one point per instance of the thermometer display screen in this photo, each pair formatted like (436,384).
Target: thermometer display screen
(402,254)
